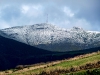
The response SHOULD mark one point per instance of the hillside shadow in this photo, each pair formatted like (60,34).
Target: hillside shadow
(13,53)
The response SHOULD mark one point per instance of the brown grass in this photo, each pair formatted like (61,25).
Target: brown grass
(47,68)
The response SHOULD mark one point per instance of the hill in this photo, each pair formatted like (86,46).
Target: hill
(87,64)
(13,53)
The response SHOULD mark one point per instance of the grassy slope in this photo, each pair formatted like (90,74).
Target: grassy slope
(79,62)
(78,65)
(95,71)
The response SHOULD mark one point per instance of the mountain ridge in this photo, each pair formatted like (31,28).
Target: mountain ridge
(16,49)
(53,38)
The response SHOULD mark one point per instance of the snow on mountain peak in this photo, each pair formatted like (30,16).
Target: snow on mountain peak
(51,37)
(77,29)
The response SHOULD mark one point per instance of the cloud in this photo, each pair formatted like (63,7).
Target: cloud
(10,12)
(68,12)
(25,9)
(31,10)
(77,23)
(64,13)
(3,24)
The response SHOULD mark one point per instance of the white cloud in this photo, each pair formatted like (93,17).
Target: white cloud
(25,9)
(68,12)
(31,10)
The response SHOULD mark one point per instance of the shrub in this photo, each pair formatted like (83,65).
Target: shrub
(19,67)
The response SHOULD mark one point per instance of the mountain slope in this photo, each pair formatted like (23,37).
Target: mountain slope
(53,38)
(13,53)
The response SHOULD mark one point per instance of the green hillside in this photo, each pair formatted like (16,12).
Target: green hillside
(87,64)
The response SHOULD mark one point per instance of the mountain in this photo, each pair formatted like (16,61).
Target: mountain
(53,38)
(24,45)
(13,53)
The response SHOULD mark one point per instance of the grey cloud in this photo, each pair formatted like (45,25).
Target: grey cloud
(10,12)
(85,10)
(90,12)
(88,9)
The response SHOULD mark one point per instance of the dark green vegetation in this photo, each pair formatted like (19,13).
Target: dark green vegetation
(88,64)
(13,53)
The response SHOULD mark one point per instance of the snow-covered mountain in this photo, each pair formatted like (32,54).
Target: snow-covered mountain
(53,38)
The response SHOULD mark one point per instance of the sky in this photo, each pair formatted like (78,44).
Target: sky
(63,13)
